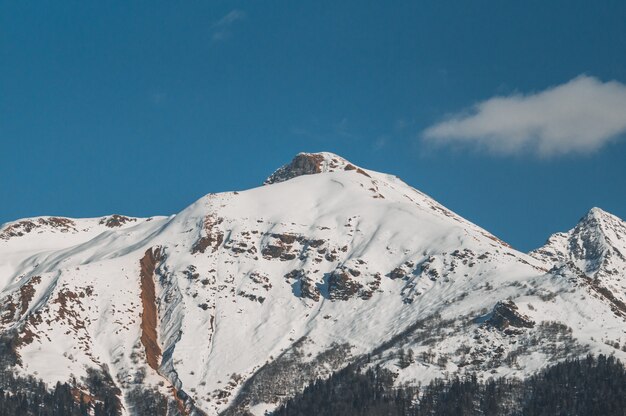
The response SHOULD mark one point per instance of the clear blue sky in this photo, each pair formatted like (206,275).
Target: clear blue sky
(142,107)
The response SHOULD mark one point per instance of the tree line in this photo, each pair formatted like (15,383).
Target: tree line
(587,386)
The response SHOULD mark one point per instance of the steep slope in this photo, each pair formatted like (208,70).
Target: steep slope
(597,245)
(241,299)
(595,252)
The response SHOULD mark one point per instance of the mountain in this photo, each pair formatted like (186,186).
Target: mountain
(594,251)
(240,300)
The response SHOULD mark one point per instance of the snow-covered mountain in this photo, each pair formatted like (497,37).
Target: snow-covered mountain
(241,299)
(595,251)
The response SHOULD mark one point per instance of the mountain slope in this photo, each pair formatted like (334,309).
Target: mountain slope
(595,248)
(594,254)
(241,299)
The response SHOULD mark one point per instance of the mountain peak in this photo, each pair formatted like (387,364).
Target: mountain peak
(596,213)
(601,222)
(310,164)
(596,245)
(212,310)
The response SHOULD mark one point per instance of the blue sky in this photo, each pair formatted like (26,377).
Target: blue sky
(111,107)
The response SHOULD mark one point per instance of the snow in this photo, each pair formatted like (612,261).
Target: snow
(214,335)
(595,247)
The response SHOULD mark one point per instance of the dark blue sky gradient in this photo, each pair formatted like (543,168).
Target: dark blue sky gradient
(142,107)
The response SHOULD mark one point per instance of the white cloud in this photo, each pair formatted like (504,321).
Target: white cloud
(579,116)
(222,28)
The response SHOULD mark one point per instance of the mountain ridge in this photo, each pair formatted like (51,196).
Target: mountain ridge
(244,297)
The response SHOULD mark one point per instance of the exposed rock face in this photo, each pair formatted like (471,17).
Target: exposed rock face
(278,252)
(116,220)
(213,237)
(307,287)
(397,273)
(15,306)
(149,316)
(286,246)
(309,164)
(342,286)
(505,315)
(20,228)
